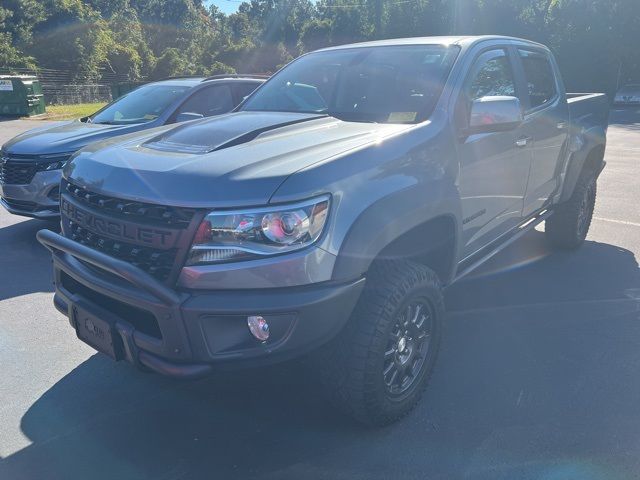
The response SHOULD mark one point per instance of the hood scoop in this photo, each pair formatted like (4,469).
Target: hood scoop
(165,145)
(222,132)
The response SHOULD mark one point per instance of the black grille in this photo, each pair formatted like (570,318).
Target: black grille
(17,173)
(20,169)
(157,263)
(139,212)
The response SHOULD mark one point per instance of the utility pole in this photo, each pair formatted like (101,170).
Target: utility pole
(454,16)
(377,12)
(619,75)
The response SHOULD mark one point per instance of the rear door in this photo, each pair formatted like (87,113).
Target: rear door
(493,170)
(545,125)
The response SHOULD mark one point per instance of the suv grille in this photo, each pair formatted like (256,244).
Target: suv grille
(132,211)
(17,173)
(158,263)
(19,169)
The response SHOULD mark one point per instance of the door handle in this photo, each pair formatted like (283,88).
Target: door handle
(523,142)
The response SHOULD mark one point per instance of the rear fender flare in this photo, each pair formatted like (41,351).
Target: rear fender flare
(592,151)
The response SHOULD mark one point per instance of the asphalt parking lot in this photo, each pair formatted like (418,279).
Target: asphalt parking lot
(538,378)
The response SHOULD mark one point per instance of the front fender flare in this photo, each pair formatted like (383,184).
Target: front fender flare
(391,217)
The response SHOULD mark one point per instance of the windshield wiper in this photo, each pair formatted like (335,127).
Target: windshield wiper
(346,117)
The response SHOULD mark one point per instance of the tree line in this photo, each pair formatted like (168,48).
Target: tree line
(595,41)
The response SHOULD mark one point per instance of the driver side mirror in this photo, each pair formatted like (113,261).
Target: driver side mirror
(186,116)
(495,114)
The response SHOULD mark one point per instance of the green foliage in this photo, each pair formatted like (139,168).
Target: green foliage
(11,56)
(170,64)
(593,39)
(11,29)
(218,68)
(315,34)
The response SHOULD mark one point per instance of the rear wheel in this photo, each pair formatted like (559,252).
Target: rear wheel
(377,368)
(567,228)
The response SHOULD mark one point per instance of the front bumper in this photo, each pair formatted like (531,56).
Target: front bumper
(189,333)
(36,199)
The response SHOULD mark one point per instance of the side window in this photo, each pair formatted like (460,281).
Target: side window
(244,89)
(209,101)
(541,83)
(491,76)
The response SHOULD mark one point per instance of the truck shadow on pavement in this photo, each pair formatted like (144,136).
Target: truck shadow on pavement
(537,376)
(25,265)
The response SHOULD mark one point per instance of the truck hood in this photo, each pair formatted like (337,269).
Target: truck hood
(233,160)
(65,137)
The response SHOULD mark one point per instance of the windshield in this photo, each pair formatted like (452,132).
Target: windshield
(394,84)
(140,106)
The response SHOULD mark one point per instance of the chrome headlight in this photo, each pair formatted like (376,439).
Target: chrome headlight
(225,236)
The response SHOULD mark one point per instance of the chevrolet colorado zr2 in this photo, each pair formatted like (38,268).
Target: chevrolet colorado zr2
(327,213)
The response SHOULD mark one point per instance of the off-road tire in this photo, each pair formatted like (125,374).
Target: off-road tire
(352,365)
(569,224)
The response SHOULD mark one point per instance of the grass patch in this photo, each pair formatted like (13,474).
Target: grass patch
(69,112)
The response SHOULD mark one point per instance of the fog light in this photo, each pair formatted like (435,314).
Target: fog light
(258,327)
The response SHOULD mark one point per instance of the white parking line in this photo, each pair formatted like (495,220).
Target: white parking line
(622,222)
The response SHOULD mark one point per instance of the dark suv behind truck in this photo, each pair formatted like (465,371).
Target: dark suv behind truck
(327,213)
(30,164)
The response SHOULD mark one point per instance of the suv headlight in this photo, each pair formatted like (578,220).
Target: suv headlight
(225,236)
(55,161)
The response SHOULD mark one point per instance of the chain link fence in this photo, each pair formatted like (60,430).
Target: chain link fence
(59,87)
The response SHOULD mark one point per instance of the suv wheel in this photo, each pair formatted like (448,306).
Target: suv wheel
(377,368)
(567,228)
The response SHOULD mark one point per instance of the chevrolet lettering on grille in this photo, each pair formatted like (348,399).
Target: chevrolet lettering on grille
(119,230)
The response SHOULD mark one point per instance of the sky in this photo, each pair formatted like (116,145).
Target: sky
(226,6)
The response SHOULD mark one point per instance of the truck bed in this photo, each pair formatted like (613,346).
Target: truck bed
(591,106)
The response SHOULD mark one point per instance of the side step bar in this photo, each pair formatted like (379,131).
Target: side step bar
(519,232)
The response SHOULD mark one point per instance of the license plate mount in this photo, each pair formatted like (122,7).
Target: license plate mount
(96,327)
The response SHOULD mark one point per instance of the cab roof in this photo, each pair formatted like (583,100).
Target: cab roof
(462,40)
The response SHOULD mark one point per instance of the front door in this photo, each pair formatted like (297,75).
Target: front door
(493,168)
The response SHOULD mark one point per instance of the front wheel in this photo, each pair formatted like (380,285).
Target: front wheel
(567,228)
(378,367)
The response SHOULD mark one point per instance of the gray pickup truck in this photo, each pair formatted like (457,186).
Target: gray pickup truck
(326,214)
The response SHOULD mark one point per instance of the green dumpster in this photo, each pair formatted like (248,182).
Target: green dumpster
(21,95)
